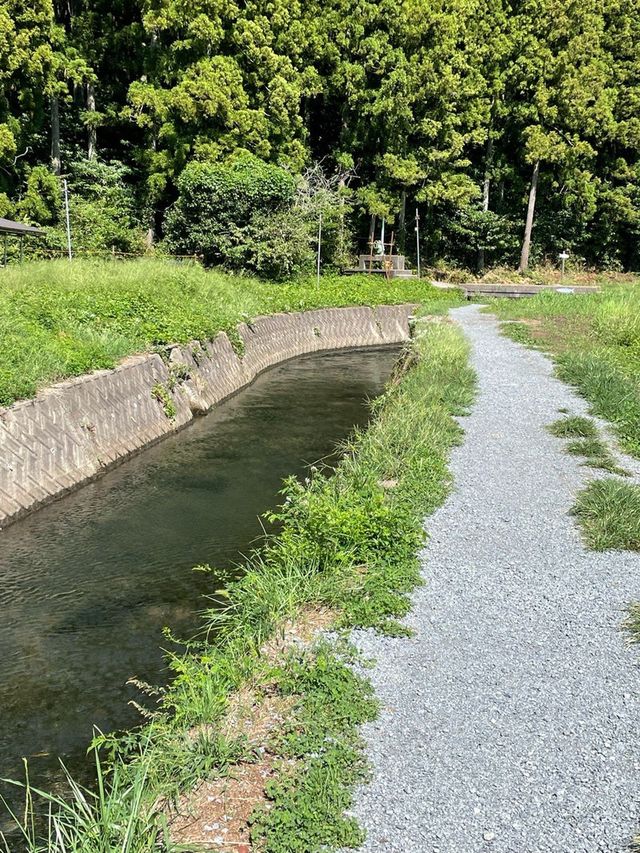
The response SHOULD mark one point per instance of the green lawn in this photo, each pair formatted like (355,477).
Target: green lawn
(595,342)
(59,319)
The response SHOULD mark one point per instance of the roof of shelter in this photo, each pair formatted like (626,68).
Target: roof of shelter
(18,228)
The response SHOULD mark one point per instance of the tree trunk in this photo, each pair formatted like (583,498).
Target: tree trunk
(526,243)
(486,190)
(56,163)
(92,133)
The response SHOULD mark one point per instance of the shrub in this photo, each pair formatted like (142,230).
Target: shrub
(276,245)
(215,214)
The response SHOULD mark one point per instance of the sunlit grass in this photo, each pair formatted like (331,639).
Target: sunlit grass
(595,342)
(574,426)
(608,512)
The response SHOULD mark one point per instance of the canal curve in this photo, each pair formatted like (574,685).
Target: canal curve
(88,583)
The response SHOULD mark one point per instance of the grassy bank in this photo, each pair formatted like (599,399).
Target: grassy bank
(595,342)
(257,704)
(59,319)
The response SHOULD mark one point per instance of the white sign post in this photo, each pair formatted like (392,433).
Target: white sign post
(564,257)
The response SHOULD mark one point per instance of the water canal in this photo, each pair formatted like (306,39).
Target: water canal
(88,583)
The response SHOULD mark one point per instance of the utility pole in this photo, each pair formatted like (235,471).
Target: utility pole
(66,209)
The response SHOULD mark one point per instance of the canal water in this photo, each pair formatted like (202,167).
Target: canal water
(88,583)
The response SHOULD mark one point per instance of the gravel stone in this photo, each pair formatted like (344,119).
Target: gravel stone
(510,720)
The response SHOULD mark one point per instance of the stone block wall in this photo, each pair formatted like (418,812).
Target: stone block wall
(75,430)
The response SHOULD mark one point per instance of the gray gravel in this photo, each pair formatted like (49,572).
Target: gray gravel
(511,719)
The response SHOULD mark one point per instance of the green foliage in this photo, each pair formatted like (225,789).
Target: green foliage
(42,201)
(596,454)
(471,230)
(307,808)
(608,512)
(409,103)
(222,207)
(574,426)
(163,396)
(274,245)
(102,207)
(586,442)
(94,821)
(632,625)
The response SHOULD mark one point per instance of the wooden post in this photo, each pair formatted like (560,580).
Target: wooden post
(5,251)
(21,248)
(418,241)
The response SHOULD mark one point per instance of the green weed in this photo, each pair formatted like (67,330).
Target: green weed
(307,806)
(586,442)
(632,626)
(163,396)
(608,512)
(574,426)
(116,816)
(593,447)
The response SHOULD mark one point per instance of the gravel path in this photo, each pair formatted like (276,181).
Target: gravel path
(511,719)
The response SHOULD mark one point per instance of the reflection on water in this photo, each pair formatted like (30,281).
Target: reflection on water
(88,583)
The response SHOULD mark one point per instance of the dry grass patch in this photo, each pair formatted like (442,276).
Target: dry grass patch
(299,632)
(216,814)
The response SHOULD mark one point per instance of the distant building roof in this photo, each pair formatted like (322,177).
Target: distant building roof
(18,228)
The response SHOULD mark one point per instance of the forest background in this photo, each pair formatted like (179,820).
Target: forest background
(225,128)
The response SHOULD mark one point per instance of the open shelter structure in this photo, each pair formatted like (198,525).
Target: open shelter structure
(8,228)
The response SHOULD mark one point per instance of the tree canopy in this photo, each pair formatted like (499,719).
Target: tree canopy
(513,126)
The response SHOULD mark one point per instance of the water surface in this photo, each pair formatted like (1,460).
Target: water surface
(88,583)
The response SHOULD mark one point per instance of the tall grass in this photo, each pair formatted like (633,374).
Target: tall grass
(348,542)
(595,341)
(59,319)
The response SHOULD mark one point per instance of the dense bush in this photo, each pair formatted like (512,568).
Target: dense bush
(222,207)
(274,245)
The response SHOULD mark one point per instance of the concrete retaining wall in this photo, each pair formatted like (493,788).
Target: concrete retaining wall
(74,431)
